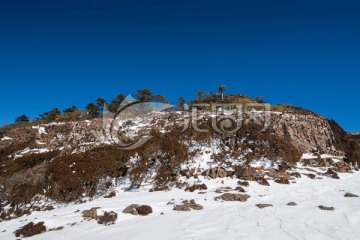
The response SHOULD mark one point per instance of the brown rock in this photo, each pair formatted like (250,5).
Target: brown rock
(292,204)
(108,218)
(264,205)
(278,174)
(282,181)
(326,208)
(196,187)
(233,197)
(243,183)
(240,189)
(186,206)
(310,175)
(263,181)
(182,207)
(331,173)
(144,210)
(131,209)
(92,213)
(350,195)
(248,173)
(217,172)
(296,174)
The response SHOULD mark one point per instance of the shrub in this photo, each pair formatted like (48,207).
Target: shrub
(108,218)
(30,229)
(144,210)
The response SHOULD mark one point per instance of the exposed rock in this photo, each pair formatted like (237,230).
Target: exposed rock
(292,204)
(282,181)
(278,174)
(144,210)
(248,173)
(187,173)
(264,205)
(330,173)
(263,181)
(108,218)
(296,174)
(243,183)
(182,207)
(233,197)
(187,205)
(92,213)
(30,229)
(136,209)
(131,209)
(350,195)
(223,189)
(240,189)
(196,187)
(326,208)
(159,188)
(111,195)
(310,175)
(342,167)
(217,172)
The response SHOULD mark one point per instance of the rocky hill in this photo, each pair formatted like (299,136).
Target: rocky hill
(72,161)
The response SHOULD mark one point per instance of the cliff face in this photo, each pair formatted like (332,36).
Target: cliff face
(305,132)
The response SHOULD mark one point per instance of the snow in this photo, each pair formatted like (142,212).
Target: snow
(218,220)
(308,156)
(41,129)
(5,138)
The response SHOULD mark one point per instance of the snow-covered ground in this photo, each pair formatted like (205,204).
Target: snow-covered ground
(218,220)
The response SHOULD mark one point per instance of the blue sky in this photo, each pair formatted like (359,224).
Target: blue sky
(60,53)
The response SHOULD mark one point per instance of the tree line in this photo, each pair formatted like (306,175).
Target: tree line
(95,108)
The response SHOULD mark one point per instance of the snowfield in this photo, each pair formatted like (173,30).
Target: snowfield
(218,220)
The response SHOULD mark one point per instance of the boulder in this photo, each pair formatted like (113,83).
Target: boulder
(92,213)
(144,210)
(331,173)
(108,218)
(243,183)
(248,173)
(182,207)
(187,205)
(262,181)
(292,204)
(342,167)
(310,175)
(196,187)
(282,181)
(326,208)
(350,195)
(264,205)
(131,209)
(240,189)
(217,172)
(233,197)
(278,174)
(296,174)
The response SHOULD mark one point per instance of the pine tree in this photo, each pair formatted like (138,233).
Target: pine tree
(144,95)
(101,103)
(70,110)
(93,111)
(22,119)
(221,89)
(51,115)
(115,103)
(180,104)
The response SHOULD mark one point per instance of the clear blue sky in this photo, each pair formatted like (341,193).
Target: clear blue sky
(60,53)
